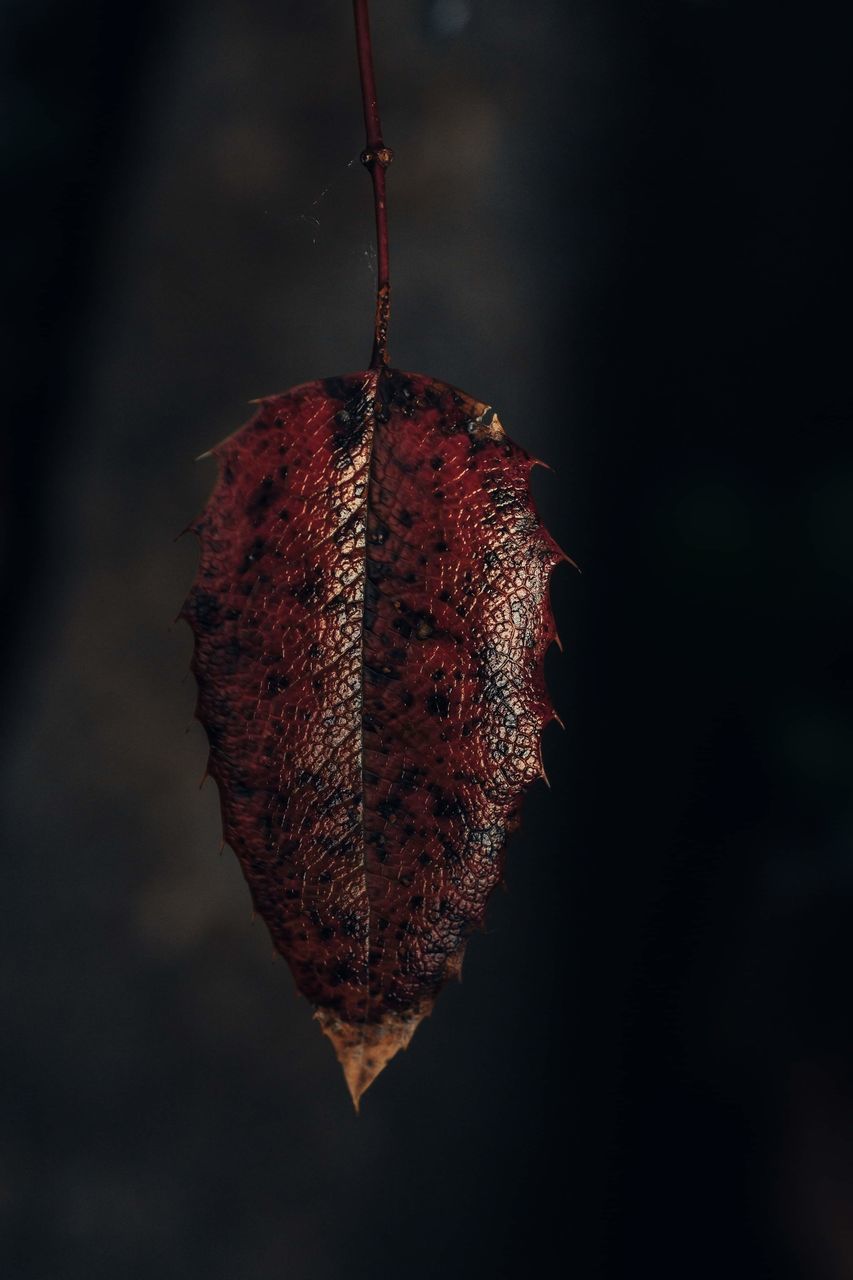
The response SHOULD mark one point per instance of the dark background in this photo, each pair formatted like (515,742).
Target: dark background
(625,223)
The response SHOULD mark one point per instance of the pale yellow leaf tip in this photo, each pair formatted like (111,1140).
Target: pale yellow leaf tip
(364,1049)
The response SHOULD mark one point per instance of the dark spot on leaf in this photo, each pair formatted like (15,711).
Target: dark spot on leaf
(437,705)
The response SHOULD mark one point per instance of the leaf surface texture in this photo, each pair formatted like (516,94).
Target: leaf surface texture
(371,615)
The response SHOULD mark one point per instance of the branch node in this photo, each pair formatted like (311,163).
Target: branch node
(381,156)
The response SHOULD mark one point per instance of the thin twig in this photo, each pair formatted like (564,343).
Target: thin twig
(376,157)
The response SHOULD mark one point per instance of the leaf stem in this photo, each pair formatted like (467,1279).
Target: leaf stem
(376,158)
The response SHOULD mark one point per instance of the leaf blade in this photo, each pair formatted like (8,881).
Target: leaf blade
(371,617)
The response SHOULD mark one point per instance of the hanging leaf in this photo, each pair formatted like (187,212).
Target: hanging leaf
(371,616)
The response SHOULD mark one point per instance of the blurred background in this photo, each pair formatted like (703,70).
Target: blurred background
(625,223)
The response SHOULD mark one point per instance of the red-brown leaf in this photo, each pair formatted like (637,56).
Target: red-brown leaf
(371,615)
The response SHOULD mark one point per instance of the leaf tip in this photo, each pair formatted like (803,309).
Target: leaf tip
(364,1049)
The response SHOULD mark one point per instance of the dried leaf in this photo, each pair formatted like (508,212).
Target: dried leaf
(371,615)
